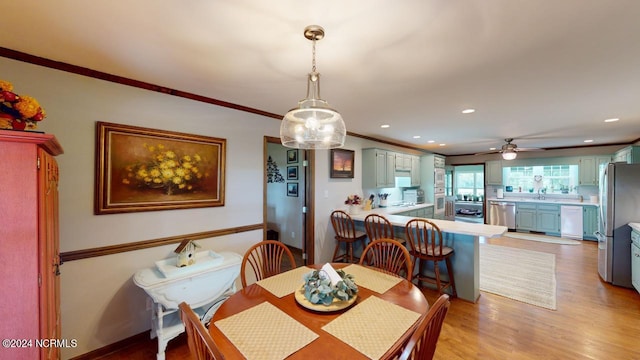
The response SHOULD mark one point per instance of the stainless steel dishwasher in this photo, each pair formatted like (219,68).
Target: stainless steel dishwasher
(502,213)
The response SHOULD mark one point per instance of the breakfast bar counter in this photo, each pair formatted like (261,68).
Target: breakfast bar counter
(463,237)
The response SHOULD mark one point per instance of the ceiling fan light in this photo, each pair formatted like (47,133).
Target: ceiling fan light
(509,155)
(313,124)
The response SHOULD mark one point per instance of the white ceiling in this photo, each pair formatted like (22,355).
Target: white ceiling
(545,72)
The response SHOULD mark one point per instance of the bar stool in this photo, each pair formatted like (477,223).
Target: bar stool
(425,241)
(378,227)
(345,234)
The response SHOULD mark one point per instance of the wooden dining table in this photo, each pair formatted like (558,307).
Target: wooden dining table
(373,313)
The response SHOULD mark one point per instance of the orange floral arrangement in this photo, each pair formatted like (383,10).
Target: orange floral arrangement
(18,112)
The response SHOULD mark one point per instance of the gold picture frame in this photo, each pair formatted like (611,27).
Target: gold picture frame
(142,169)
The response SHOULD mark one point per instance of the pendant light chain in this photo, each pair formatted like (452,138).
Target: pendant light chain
(313,63)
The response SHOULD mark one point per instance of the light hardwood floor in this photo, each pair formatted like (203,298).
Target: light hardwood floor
(594,320)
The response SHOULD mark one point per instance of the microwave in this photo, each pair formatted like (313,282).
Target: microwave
(413,196)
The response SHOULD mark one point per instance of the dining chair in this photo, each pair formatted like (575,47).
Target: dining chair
(266,259)
(379,227)
(201,344)
(389,256)
(346,234)
(422,343)
(426,244)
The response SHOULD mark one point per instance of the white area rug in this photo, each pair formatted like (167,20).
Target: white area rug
(542,238)
(523,275)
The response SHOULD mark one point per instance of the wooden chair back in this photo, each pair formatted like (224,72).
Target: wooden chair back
(378,227)
(388,255)
(343,226)
(422,344)
(425,238)
(201,344)
(265,259)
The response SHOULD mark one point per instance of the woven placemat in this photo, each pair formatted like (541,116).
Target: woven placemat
(372,279)
(265,332)
(284,284)
(372,326)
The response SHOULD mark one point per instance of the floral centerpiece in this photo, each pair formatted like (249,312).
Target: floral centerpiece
(354,202)
(18,112)
(318,288)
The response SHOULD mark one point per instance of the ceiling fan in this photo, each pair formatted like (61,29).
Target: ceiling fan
(509,151)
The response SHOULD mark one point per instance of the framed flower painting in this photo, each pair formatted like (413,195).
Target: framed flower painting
(141,169)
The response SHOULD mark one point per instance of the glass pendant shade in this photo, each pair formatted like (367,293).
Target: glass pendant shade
(313,124)
(509,155)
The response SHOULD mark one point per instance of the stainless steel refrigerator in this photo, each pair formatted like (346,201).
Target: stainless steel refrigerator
(619,205)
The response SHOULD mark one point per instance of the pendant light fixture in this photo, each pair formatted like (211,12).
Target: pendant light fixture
(509,155)
(313,124)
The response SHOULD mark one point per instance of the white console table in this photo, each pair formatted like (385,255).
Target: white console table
(204,286)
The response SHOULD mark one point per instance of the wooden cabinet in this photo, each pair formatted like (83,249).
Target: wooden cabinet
(29,260)
(493,172)
(589,222)
(378,168)
(538,217)
(635,259)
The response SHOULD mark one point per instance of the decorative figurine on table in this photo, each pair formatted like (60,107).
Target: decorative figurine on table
(186,253)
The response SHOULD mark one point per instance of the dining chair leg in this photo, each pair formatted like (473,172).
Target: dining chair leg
(436,270)
(452,282)
(335,252)
(351,252)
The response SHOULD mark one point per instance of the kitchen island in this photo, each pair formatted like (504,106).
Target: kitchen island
(463,237)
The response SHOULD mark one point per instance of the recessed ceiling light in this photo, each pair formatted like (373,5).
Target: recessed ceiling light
(468,111)
(385,126)
(612,120)
(589,141)
(431,141)
(443,144)
(416,136)
(492,149)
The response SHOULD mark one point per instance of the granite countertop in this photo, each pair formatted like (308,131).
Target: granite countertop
(635,226)
(549,200)
(455,227)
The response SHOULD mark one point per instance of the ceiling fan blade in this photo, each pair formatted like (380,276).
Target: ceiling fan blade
(488,152)
(528,149)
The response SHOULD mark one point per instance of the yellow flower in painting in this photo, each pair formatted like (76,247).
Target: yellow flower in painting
(177,180)
(194,169)
(157,180)
(167,173)
(160,157)
(151,148)
(197,158)
(160,146)
(142,173)
(170,154)
(181,172)
(155,172)
(171,163)
(182,186)
(186,158)
(187,165)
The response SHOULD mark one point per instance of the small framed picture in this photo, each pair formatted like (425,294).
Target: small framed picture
(292,156)
(292,189)
(292,172)
(342,163)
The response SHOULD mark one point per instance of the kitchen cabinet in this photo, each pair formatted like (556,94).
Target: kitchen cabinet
(378,168)
(415,171)
(402,162)
(425,212)
(526,216)
(589,169)
(589,222)
(29,260)
(635,259)
(438,161)
(629,155)
(538,217)
(493,172)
